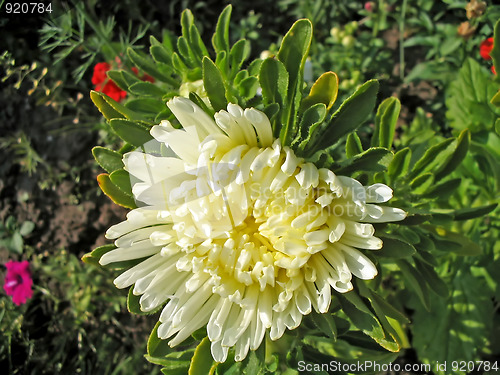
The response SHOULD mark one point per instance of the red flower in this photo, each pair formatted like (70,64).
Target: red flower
(112,90)
(485,48)
(105,85)
(99,75)
(18,281)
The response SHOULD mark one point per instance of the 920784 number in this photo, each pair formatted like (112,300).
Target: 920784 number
(24,8)
(469,366)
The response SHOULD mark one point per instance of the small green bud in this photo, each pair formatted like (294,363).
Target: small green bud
(348,41)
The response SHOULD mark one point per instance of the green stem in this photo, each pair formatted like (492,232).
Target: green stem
(280,347)
(401,41)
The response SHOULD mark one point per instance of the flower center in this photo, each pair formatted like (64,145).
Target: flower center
(277,211)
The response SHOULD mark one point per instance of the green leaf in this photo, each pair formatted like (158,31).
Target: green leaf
(473,212)
(457,327)
(96,254)
(214,84)
(433,70)
(248,87)
(385,122)
(17,243)
(180,66)
(432,156)
(220,39)
(121,178)
(422,183)
(157,347)
(146,89)
(311,119)
(159,52)
(415,281)
(350,115)
(114,193)
(131,132)
(385,307)
(108,159)
(363,318)
(374,159)
(294,49)
(196,43)
(468,98)
(149,67)
(324,90)
(435,283)
(400,163)
(443,190)
(395,248)
(388,316)
(222,63)
(354,347)
(273,79)
(26,228)
(293,53)
(254,362)
(122,81)
(325,323)
(185,52)
(111,109)
(496,102)
(102,105)
(175,363)
(454,160)
(150,107)
(133,305)
(133,301)
(353,145)
(239,53)
(202,362)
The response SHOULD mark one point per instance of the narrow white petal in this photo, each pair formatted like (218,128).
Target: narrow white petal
(378,193)
(262,126)
(358,263)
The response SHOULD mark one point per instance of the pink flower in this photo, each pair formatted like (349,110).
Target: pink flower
(18,281)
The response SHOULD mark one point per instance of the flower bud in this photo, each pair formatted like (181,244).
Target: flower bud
(335,33)
(369,6)
(465,30)
(265,54)
(475,9)
(348,41)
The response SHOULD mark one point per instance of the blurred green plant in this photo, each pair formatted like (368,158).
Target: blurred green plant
(68,33)
(73,324)
(12,234)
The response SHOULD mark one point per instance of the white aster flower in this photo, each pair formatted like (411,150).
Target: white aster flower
(237,233)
